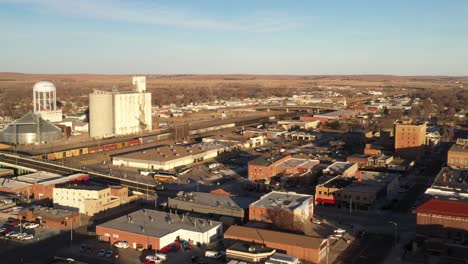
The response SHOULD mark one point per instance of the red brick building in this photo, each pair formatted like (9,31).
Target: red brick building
(306,248)
(264,168)
(410,139)
(443,219)
(51,217)
(285,210)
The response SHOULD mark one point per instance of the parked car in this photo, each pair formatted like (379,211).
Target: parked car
(121,244)
(140,247)
(2,229)
(109,253)
(316,221)
(101,253)
(214,254)
(30,225)
(12,234)
(27,237)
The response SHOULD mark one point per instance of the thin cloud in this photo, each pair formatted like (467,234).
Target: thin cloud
(152,14)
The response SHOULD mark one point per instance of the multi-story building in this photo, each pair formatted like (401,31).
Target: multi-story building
(359,191)
(410,139)
(120,113)
(88,199)
(265,168)
(458,154)
(285,210)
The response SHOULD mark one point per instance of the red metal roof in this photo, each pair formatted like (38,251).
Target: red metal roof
(442,207)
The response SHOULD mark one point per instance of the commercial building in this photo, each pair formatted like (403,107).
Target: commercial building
(45,102)
(457,156)
(285,210)
(30,129)
(342,168)
(88,199)
(326,117)
(169,157)
(450,183)
(445,219)
(370,161)
(235,207)
(359,191)
(442,225)
(298,124)
(264,168)
(410,139)
(251,252)
(51,217)
(155,229)
(306,248)
(120,113)
(38,185)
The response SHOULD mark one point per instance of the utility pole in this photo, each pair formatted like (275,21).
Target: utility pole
(395,229)
(350,204)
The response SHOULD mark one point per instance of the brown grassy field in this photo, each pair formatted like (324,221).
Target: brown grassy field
(73,89)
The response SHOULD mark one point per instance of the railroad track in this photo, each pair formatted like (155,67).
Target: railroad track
(145,188)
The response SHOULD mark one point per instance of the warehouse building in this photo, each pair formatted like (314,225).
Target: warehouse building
(155,229)
(306,248)
(38,184)
(285,210)
(235,207)
(171,156)
(120,113)
(51,217)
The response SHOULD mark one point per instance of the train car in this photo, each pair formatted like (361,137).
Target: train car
(133,142)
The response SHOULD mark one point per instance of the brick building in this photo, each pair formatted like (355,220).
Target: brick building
(410,139)
(444,219)
(265,168)
(457,156)
(306,248)
(285,210)
(155,229)
(50,217)
(38,184)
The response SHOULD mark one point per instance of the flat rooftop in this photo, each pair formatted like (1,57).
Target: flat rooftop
(38,177)
(301,163)
(251,248)
(459,148)
(266,160)
(47,212)
(338,182)
(81,186)
(282,200)
(215,200)
(280,238)
(339,167)
(158,224)
(171,152)
(450,179)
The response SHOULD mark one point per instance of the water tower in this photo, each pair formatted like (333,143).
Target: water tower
(45,101)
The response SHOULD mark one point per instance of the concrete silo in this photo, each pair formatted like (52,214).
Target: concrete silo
(101,117)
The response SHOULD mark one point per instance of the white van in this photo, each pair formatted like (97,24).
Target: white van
(121,244)
(213,254)
(161,256)
(154,258)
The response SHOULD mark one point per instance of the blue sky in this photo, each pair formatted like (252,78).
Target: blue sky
(399,37)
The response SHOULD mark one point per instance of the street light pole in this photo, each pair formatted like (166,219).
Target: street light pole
(395,229)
